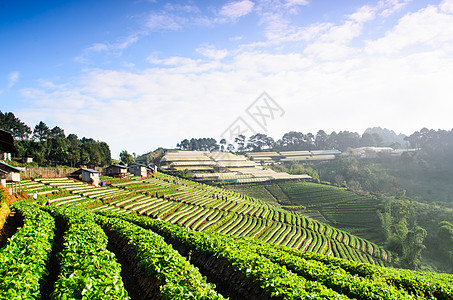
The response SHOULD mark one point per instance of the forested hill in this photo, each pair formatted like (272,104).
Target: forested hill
(51,146)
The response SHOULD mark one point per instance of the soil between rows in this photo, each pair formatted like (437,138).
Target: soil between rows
(53,264)
(229,282)
(13,222)
(138,285)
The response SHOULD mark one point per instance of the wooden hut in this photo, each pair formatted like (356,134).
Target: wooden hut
(116,171)
(11,174)
(138,170)
(88,175)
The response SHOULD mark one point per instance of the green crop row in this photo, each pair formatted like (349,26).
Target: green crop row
(179,279)
(273,278)
(429,285)
(328,274)
(356,280)
(23,260)
(88,270)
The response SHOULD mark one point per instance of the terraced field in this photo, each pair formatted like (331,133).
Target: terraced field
(334,206)
(209,209)
(71,253)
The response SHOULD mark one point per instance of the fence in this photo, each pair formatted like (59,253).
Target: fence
(37,172)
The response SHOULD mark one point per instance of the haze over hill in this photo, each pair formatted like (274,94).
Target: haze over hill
(389,137)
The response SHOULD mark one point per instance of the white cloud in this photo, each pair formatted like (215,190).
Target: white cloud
(182,8)
(211,52)
(389,7)
(164,21)
(426,27)
(328,83)
(13,77)
(447,6)
(363,14)
(115,48)
(291,3)
(236,9)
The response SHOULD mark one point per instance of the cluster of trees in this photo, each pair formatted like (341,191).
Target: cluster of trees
(420,235)
(201,144)
(127,158)
(293,140)
(51,146)
(416,172)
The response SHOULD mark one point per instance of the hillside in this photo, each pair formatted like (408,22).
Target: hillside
(331,205)
(205,208)
(76,254)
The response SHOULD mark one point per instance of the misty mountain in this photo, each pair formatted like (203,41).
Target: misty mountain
(389,137)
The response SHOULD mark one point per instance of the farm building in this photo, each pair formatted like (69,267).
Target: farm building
(7,143)
(190,160)
(5,156)
(138,170)
(26,159)
(116,170)
(88,175)
(284,156)
(9,174)
(223,166)
(374,152)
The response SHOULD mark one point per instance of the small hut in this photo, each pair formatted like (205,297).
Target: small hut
(88,175)
(10,174)
(27,159)
(138,170)
(116,170)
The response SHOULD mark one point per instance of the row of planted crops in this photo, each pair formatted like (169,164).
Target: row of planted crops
(70,253)
(328,204)
(206,208)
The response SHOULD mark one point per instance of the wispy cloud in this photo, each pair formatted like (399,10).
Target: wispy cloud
(115,48)
(447,6)
(13,77)
(429,27)
(210,51)
(389,7)
(165,21)
(355,84)
(236,9)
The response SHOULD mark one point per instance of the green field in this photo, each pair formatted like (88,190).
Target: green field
(71,253)
(327,204)
(210,209)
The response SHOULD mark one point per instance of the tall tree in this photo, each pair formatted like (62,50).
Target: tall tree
(41,132)
(240,141)
(321,140)
(223,144)
(293,140)
(57,132)
(260,142)
(12,124)
(127,158)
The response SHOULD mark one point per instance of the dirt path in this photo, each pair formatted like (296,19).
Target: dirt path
(53,265)
(13,222)
(137,284)
(229,283)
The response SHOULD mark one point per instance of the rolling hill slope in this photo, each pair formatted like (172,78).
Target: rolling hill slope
(331,205)
(211,209)
(70,253)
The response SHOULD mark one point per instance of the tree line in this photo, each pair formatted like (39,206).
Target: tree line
(51,146)
(290,141)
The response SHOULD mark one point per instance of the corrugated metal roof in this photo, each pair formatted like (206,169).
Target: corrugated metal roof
(90,170)
(118,166)
(10,167)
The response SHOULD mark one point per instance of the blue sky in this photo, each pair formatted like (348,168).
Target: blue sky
(143,74)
